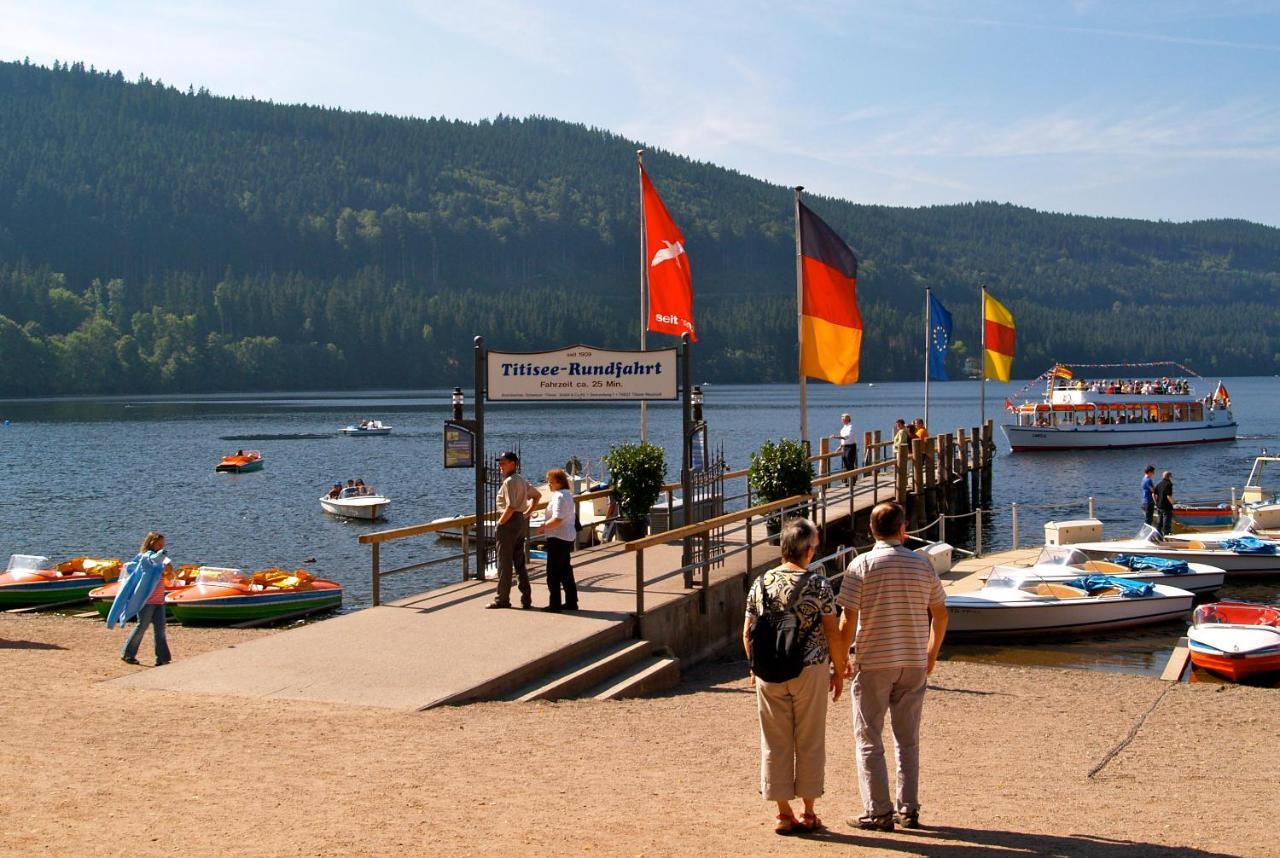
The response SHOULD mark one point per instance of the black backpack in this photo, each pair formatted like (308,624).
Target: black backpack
(777,647)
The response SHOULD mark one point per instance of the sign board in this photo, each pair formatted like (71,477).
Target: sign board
(459,444)
(582,373)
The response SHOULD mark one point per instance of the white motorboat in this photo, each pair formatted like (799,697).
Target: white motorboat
(367,507)
(1212,549)
(366,427)
(1019,601)
(1256,501)
(1060,563)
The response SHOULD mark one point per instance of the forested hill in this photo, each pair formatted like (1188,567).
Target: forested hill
(159,240)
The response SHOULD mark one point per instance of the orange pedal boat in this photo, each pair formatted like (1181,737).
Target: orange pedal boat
(1235,639)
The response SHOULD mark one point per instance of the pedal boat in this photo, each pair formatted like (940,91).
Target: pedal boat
(1018,601)
(31,579)
(103,596)
(220,595)
(366,427)
(1235,639)
(240,463)
(1061,563)
(366,507)
(1205,548)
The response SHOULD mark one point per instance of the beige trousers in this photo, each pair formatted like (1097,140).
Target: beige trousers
(900,692)
(793,734)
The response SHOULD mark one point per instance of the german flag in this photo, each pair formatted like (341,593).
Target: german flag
(830,324)
(997,339)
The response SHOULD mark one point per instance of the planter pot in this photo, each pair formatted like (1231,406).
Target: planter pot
(629,530)
(773,524)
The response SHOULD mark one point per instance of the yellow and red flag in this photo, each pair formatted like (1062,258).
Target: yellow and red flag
(1060,371)
(997,340)
(831,326)
(670,279)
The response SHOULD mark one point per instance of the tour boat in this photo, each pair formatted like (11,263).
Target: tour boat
(366,427)
(240,463)
(1237,552)
(1018,601)
(366,507)
(31,579)
(1235,639)
(103,596)
(1058,563)
(221,595)
(1075,414)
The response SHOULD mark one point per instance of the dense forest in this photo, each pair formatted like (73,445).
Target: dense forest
(153,239)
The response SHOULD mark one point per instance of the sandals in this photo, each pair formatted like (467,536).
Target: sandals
(884,822)
(811,823)
(787,824)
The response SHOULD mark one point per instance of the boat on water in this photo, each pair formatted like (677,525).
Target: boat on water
(366,507)
(103,596)
(224,595)
(240,463)
(1237,552)
(1079,414)
(366,427)
(33,579)
(1201,516)
(1235,639)
(1022,601)
(1060,563)
(1258,502)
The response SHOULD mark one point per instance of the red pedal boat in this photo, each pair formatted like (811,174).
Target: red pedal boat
(1235,639)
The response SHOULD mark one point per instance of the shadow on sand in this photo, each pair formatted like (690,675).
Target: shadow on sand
(6,644)
(952,842)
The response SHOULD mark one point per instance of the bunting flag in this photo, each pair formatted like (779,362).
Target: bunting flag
(830,324)
(939,338)
(998,340)
(670,279)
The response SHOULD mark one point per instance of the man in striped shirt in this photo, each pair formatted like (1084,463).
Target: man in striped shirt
(894,601)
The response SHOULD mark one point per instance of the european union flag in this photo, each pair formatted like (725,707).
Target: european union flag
(939,338)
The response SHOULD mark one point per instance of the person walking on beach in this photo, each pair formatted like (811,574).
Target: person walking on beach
(895,613)
(791,697)
(1164,504)
(150,561)
(848,444)
(1148,493)
(561,533)
(515,498)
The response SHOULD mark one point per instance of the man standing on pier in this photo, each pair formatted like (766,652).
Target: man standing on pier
(901,437)
(515,498)
(1164,504)
(1148,493)
(848,444)
(895,612)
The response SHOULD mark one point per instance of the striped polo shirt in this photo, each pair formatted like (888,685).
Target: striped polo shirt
(891,588)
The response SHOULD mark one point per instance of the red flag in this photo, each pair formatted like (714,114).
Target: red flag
(670,280)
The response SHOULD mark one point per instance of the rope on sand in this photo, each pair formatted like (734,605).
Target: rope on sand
(1133,733)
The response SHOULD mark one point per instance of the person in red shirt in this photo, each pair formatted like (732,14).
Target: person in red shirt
(152,613)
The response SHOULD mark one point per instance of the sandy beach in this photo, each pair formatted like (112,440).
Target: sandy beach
(91,769)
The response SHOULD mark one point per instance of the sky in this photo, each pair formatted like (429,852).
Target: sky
(1159,110)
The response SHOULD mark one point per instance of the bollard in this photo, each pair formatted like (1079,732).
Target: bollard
(1015,523)
(1233,500)
(1091,509)
(977,546)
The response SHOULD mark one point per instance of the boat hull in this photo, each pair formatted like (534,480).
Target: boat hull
(973,617)
(1236,652)
(365,509)
(239,469)
(199,605)
(1026,439)
(1213,515)
(28,593)
(360,433)
(1234,565)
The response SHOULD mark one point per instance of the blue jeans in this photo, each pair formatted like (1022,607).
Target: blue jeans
(150,615)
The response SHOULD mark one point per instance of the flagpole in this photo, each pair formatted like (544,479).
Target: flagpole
(644,290)
(928,348)
(982,317)
(804,394)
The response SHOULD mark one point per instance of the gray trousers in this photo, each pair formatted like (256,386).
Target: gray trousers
(793,734)
(900,692)
(511,538)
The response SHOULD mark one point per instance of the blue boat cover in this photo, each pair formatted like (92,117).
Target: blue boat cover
(1249,545)
(1145,562)
(1127,586)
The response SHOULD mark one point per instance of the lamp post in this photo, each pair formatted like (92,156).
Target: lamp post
(457,401)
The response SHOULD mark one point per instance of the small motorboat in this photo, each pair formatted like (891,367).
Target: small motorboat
(222,595)
(366,427)
(240,463)
(1018,601)
(1235,639)
(366,507)
(103,596)
(31,579)
(1237,552)
(1202,516)
(1064,562)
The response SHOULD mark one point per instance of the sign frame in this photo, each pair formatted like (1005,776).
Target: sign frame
(582,373)
(460,443)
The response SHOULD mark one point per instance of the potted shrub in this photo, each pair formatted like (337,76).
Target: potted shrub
(637,472)
(779,470)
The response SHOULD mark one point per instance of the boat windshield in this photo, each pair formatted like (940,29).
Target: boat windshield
(218,575)
(1245,525)
(1061,555)
(1147,533)
(27,562)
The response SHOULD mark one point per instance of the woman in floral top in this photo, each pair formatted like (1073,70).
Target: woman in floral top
(793,714)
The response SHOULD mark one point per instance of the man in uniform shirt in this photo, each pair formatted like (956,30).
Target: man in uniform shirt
(515,498)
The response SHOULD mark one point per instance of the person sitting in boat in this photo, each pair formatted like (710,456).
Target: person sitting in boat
(335,492)
(362,489)
(239,452)
(350,489)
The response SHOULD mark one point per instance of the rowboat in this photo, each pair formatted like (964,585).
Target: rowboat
(1061,563)
(103,596)
(240,463)
(1200,516)
(366,427)
(32,579)
(366,507)
(1235,639)
(223,595)
(1019,601)
(1213,549)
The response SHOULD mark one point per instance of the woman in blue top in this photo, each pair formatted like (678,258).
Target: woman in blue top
(561,532)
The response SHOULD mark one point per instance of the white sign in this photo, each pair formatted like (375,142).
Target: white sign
(582,372)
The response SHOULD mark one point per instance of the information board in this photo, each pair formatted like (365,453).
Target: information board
(582,373)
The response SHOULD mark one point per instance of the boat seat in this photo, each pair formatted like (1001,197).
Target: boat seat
(1195,545)
(1061,591)
(1104,567)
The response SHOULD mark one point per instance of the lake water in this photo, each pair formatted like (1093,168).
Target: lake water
(93,475)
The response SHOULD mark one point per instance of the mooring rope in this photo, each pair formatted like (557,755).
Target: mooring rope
(1133,732)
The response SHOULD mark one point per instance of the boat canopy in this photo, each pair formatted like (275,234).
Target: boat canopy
(28,562)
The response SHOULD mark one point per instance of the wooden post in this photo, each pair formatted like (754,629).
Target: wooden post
(824,464)
(975,467)
(945,482)
(878,455)
(917,482)
(900,476)
(988,449)
(639,589)
(377,574)
(866,448)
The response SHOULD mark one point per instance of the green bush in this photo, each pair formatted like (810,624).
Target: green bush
(780,470)
(638,472)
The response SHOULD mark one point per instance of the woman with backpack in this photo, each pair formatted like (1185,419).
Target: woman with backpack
(791,637)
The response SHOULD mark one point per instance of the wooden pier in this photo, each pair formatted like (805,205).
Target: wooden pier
(646,611)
